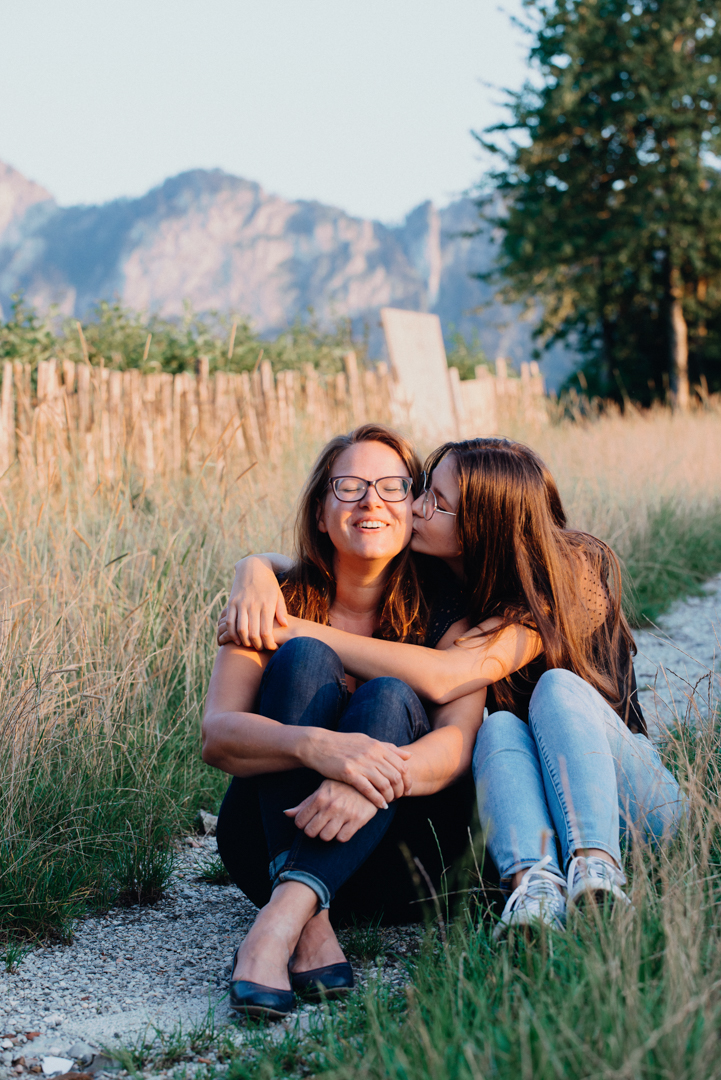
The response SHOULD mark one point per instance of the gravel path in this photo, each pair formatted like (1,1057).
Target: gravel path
(678,666)
(133,969)
(167,965)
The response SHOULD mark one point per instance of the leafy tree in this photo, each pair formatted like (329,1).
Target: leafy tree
(611,190)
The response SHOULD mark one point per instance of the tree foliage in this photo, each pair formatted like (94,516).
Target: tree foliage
(611,188)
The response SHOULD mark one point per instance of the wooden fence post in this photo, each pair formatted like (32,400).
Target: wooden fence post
(7,420)
(357,405)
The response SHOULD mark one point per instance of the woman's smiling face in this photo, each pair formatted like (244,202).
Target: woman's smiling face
(437,536)
(370,529)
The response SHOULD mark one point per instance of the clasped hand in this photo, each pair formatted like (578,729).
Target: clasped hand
(377,770)
(336,811)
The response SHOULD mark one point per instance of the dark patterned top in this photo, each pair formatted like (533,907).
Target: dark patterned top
(523,683)
(444,595)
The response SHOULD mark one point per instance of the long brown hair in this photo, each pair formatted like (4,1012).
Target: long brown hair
(522,564)
(309,587)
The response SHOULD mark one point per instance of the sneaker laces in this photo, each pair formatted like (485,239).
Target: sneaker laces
(539,884)
(585,866)
(589,873)
(540,897)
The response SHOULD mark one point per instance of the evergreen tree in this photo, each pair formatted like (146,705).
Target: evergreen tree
(612,192)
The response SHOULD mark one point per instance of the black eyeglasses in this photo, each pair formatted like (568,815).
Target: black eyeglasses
(352,489)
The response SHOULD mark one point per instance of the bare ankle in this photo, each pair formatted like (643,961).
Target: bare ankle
(596,853)
(318,945)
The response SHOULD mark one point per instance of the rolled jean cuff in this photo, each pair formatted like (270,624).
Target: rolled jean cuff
(276,866)
(319,887)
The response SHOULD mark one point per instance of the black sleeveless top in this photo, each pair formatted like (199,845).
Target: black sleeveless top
(448,604)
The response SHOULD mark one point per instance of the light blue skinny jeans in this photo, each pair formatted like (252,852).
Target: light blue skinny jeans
(574,777)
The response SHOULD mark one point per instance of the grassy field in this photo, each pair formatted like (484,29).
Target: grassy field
(109,597)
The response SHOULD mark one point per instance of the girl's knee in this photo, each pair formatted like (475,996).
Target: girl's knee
(558,687)
(558,680)
(499,731)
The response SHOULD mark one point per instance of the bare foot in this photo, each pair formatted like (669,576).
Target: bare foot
(318,946)
(272,939)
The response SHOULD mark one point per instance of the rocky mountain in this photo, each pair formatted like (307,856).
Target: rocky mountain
(224,243)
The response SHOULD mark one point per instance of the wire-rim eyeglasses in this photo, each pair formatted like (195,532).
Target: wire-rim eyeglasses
(429,508)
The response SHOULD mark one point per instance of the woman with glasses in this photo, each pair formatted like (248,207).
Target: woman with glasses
(562,764)
(336,787)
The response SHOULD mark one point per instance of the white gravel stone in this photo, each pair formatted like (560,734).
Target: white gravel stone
(54,1065)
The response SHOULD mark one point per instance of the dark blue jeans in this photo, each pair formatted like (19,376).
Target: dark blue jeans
(304,684)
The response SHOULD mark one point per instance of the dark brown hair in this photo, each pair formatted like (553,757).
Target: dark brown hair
(309,587)
(522,564)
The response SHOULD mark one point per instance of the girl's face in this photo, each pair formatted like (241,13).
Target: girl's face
(437,535)
(370,529)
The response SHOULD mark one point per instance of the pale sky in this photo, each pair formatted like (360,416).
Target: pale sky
(363,104)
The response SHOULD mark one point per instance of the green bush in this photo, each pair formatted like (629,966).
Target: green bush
(118,337)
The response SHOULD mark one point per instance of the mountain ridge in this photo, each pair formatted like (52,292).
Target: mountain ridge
(224,243)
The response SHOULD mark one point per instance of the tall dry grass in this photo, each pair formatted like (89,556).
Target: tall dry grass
(107,601)
(109,598)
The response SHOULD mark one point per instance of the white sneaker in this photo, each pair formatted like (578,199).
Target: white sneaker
(592,878)
(536,901)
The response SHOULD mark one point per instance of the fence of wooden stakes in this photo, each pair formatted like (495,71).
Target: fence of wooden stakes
(104,421)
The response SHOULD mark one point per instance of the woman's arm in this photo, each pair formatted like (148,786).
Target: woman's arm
(442,756)
(439,675)
(243,743)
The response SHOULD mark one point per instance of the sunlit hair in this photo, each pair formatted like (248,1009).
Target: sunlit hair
(522,564)
(310,586)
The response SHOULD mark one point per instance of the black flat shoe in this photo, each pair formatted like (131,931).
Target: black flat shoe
(321,983)
(254,999)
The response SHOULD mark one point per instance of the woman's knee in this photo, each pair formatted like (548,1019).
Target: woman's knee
(303,683)
(305,654)
(386,708)
(303,661)
(385,690)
